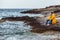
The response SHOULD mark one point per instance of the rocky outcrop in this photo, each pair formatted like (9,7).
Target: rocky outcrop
(55,8)
(36,25)
(32,11)
(34,22)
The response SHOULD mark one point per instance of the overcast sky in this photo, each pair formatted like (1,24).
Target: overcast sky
(27,3)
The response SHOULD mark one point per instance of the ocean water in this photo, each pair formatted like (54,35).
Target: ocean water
(15,13)
(18,30)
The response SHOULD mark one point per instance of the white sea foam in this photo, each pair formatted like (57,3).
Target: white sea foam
(18,30)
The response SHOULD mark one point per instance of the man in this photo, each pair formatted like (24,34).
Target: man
(51,19)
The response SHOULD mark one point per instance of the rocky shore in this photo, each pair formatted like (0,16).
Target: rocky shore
(35,22)
(36,25)
(55,8)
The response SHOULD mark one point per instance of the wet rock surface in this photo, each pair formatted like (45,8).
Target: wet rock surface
(36,25)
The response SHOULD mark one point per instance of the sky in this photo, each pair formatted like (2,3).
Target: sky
(27,3)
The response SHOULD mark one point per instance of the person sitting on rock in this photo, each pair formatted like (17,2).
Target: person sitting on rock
(51,19)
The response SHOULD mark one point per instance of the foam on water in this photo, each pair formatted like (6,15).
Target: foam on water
(16,13)
(29,36)
(18,30)
(13,27)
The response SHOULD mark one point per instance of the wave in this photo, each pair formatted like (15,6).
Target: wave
(13,27)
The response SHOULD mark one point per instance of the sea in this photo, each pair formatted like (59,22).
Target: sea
(18,30)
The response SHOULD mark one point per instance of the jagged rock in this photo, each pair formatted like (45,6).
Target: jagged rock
(36,25)
(55,8)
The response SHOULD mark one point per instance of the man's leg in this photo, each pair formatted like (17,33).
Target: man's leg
(47,21)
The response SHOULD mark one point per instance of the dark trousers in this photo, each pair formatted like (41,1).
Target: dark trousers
(49,22)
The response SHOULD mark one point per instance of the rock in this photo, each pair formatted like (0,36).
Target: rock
(55,8)
(34,23)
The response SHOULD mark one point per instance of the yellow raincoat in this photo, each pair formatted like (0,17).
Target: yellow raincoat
(53,18)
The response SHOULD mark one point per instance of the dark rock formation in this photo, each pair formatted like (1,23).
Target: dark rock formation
(47,9)
(36,26)
(32,11)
